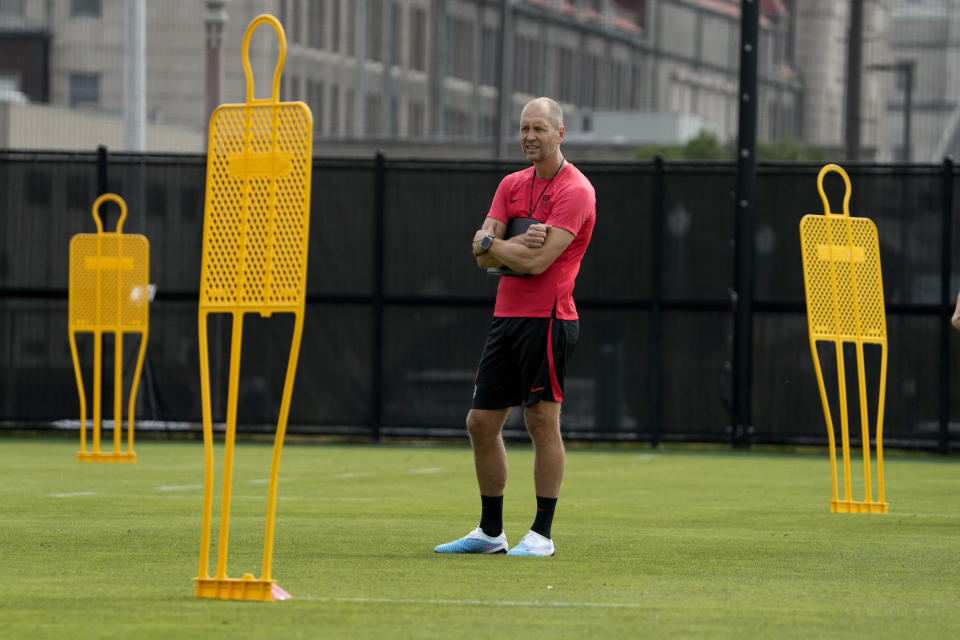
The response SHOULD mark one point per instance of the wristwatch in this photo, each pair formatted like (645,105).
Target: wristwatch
(486,241)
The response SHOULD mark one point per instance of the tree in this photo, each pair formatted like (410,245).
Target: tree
(705,146)
(789,150)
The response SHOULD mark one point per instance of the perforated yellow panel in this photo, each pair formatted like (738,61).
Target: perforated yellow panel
(844,291)
(841,262)
(108,293)
(255,239)
(257,206)
(109,274)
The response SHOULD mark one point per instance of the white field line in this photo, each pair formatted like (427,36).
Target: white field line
(73,494)
(180,487)
(427,470)
(474,603)
(357,474)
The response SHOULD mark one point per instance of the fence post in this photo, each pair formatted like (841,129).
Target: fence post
(741,426)
(946,301)
(376,388)
(655,367)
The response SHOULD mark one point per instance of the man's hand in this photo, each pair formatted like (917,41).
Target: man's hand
(477,237)
(535,235)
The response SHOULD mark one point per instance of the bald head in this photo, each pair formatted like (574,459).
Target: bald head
(541,132)
(548,107)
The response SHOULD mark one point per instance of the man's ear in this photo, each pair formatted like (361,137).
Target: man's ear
(563,130)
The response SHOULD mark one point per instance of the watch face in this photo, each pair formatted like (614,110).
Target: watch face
(486,242)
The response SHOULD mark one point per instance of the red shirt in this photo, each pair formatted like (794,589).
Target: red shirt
(568,201)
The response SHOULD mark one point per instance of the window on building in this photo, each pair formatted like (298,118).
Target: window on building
(317,23)
(334,110)
(637,83)
(418,39)
(12,8)
(458,123)
(335,27)
(590,81)
(461,36)
(351,28)
(565,74)
(394,118)
(90,8)
(526,72)
(616,84)
(416,117)
(534,81)
(84,89)
(486,126)
(489,44)
(315,101)
(374,116)
(375,30)
(465,50)
(296,22)
(350,113)
(395,34)
(681,97)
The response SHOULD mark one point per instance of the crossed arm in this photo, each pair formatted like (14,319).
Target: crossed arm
(531,252)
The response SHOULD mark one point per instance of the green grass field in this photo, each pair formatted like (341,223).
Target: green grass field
(666,543)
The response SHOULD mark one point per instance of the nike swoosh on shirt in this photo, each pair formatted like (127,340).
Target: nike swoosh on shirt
(512,201)
(535,389)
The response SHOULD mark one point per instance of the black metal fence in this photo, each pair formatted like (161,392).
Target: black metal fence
(397,311)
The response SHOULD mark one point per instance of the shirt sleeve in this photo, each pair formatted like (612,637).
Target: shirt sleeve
(571,209)
(498,208)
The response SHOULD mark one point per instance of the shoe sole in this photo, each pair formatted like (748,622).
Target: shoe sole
(472,553)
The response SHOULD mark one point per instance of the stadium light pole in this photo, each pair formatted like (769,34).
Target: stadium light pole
(741,426)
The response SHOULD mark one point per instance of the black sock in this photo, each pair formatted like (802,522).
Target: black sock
(491,515)
(544,519)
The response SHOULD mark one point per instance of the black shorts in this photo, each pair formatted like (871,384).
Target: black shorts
(523,362)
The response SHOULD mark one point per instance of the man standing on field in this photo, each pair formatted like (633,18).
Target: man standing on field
(534,329)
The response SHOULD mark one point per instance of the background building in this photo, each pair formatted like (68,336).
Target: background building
(410,76)
(395,72)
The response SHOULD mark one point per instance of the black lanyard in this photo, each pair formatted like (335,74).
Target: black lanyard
(534,177)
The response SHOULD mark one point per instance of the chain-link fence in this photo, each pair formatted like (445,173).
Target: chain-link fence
(391,340)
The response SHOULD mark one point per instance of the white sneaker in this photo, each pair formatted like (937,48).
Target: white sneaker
(533,544)
(475,542)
